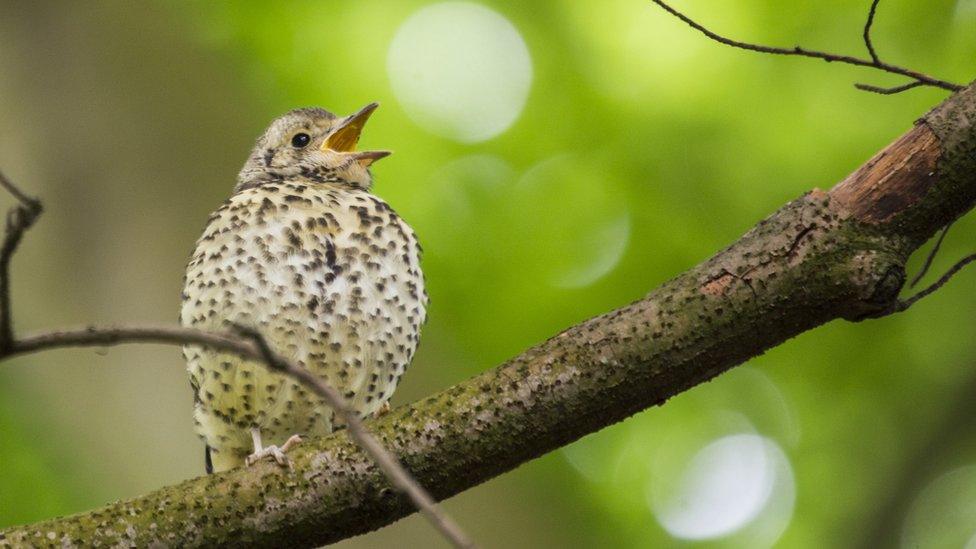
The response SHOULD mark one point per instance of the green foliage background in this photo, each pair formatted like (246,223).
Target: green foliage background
(131,120)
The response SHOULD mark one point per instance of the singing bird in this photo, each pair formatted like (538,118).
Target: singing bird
(303,253)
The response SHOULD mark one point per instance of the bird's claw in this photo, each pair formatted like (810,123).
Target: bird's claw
(275,452)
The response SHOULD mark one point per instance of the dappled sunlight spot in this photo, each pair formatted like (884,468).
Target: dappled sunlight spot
(726,486)
(576,220)
(944,515)
(460,70)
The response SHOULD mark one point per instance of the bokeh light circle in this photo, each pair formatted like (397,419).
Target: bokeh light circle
(726,486)
(460,70)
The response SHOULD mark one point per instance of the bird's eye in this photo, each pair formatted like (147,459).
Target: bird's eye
(300,140)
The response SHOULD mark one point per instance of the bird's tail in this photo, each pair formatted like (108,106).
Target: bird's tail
(217,461)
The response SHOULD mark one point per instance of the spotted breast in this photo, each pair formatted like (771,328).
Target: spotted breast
(330,275)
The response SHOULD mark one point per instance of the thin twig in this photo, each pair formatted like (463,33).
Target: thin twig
(19,218)
(867,32)
(931,257)
(904,304)
(889,91)
(253,346)
(803,52)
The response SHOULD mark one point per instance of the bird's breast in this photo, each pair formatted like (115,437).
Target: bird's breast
(331,277)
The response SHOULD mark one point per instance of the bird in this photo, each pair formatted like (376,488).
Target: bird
(325,271)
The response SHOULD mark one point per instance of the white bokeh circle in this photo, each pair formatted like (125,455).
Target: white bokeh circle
(460,70)
(725,487)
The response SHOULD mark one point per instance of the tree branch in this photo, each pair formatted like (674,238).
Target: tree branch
(824,256)
(875,62)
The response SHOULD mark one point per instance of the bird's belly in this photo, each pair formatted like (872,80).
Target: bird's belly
(349,317)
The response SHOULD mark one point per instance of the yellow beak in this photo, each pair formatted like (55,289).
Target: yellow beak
(346,135)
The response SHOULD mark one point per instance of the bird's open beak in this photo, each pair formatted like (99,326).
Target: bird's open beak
(346,135)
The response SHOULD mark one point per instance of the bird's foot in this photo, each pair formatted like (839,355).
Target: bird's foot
(383,410)
(275,452)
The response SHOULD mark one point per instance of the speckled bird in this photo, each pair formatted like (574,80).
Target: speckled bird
(327,272)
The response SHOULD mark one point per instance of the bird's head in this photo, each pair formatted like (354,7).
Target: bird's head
(315,145)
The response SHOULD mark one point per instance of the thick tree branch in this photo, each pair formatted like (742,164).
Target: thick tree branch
(875,62)
(824,256)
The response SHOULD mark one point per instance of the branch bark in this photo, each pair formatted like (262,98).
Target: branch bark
(824,256)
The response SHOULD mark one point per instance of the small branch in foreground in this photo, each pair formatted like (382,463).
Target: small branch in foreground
(874,62)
